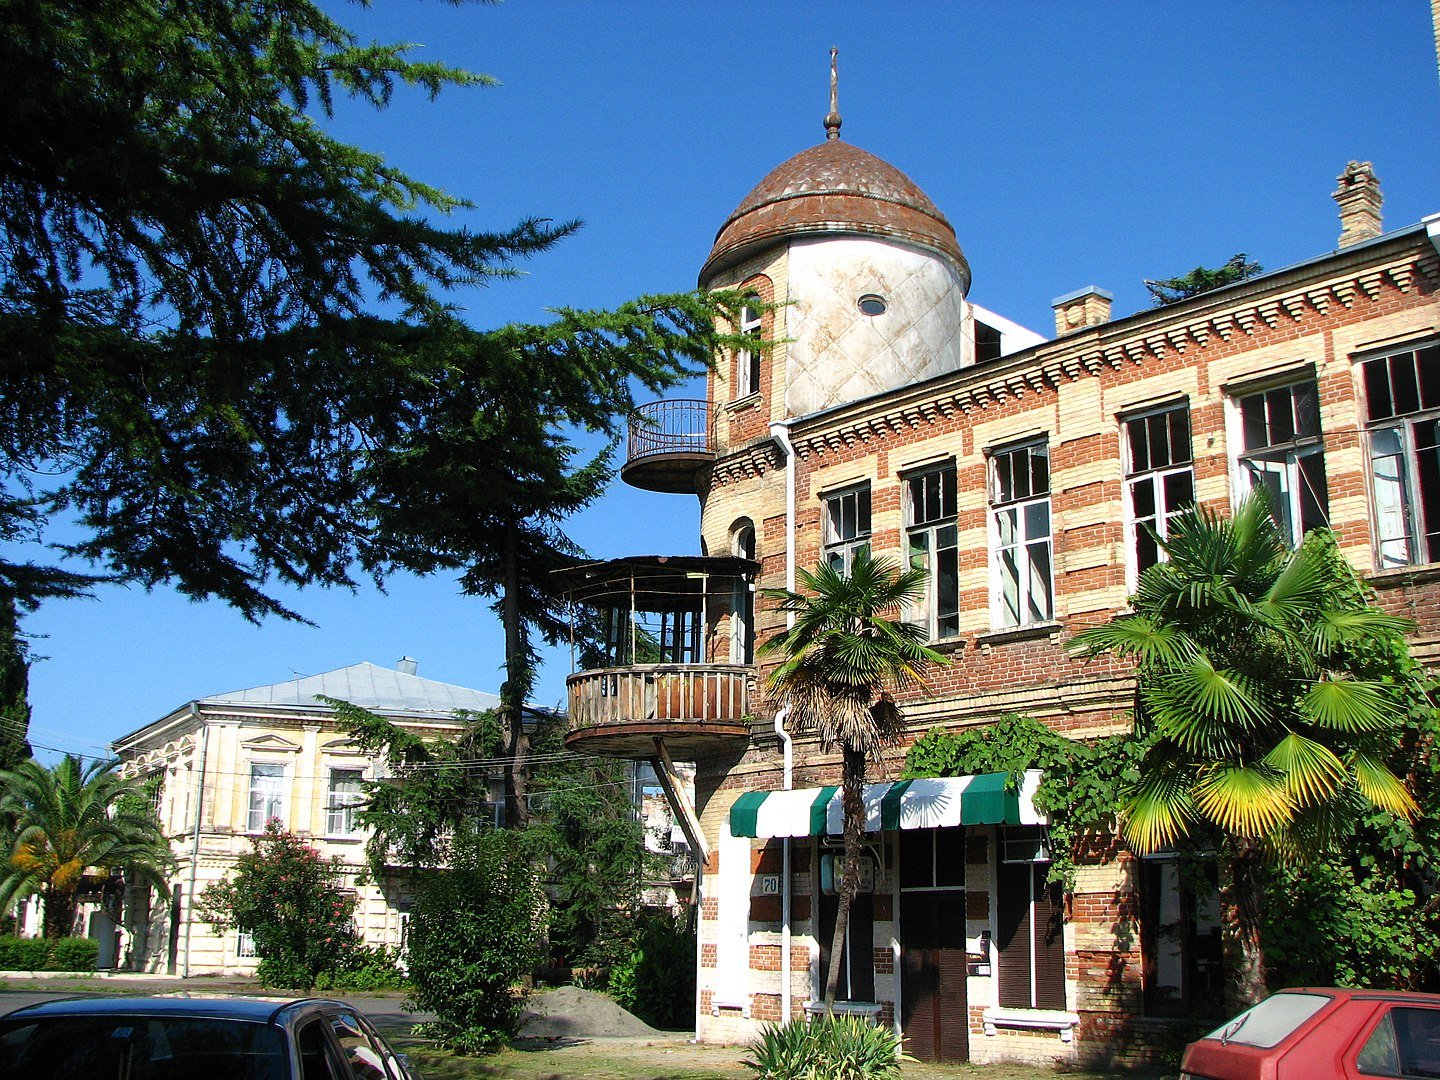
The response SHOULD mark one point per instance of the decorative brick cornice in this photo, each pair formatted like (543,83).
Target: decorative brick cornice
(746,463)
(1140,339)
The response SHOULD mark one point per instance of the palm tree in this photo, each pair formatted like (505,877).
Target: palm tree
(841,658)
(71,821)
(1269,685)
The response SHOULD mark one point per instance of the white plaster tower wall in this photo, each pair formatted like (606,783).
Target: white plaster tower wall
(836,353)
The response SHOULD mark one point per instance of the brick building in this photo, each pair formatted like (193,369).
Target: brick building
(894,414)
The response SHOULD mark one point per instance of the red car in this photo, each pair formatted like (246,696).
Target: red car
(1319,1033)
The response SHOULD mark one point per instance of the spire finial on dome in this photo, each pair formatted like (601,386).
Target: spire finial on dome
(832,121)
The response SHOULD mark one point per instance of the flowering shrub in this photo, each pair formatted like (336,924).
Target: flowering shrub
(292,902)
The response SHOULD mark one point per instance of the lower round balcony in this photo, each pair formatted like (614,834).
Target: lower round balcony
(697,709)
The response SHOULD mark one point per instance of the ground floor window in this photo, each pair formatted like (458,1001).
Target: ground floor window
(1030,938)
(857,959)
(1180,936)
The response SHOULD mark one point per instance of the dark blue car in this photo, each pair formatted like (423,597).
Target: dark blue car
(194,1038)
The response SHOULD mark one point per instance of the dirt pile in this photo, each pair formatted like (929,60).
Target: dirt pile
(567,1012)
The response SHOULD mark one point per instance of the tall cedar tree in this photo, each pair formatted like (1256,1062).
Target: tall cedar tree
(14,687)
(490,470)
(186,261)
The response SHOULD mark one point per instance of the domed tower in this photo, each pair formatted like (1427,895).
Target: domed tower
(863,290)
(871,280)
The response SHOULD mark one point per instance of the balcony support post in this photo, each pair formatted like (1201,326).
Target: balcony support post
(680,804)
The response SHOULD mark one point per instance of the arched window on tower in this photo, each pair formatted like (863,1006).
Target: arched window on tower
(742,618)
(747,361)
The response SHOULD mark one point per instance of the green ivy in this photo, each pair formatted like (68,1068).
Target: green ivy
(1081,786)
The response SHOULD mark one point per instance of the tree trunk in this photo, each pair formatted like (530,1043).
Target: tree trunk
(852,800)
(59,913)
(514,690)
(1240,904)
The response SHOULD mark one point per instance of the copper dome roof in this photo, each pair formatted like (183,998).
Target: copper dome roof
(834,187)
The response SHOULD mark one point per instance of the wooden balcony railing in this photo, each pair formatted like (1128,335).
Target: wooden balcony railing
(620,711)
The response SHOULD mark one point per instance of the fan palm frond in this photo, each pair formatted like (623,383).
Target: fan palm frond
(1312,772)
(1159,810)
(1335,628)
(1351,705)
(1249,800)
(1381,786)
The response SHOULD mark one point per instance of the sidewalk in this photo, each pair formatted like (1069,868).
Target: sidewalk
(134,982)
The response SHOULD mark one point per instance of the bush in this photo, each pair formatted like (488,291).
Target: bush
(74,954)
(833,1048)
(23,954)
(292,902)
(364,969)
(475,935)
(657,981)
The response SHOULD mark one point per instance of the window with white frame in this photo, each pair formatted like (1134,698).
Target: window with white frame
(1022,578)
(267,795)
(747,360)
(245,945)
(1159,481)
(1402,415)
(343,803)
(932,545)
(847,526)
(1280,436)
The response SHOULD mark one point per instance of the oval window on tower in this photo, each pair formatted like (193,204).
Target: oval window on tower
(872,304)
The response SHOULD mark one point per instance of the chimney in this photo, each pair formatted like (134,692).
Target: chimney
(1089,306)
(1359,198)
(406,665)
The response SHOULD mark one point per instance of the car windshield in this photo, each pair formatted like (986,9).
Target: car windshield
(1268,1023)
(102,1047)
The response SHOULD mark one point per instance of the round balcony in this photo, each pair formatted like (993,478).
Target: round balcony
(669,445)
(697,709)
(665,646)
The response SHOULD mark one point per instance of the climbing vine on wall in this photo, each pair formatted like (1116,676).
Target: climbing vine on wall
(1082,781)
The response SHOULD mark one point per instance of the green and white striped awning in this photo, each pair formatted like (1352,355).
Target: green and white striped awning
(940,802)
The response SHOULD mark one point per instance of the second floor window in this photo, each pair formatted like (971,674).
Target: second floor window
(847,527)
(1280,436)
(1022,578)
(1402,413)
(1159,482)
(932,545)
(747,361)
(267,796)
(343,804)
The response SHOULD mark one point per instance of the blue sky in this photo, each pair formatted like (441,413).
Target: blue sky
(1068,144)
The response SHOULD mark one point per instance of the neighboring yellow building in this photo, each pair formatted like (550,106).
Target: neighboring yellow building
(229,763)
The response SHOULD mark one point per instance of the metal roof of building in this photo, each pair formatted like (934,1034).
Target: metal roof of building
(367,685)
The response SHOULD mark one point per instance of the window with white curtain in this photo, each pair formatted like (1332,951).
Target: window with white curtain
(267,795)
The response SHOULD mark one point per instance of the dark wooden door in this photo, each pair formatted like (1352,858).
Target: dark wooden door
(934,1013)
